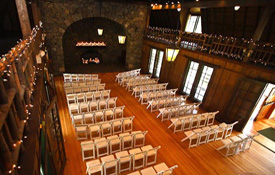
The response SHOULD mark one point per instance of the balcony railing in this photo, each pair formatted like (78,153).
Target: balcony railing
(238,49)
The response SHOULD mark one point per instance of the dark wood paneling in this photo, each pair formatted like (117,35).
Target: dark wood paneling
(223,83)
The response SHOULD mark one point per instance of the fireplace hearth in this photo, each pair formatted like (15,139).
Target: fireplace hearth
(87,52)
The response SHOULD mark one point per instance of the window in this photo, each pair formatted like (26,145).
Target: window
(152,60)
(155,62)
(197,80)
(203,83)
(193,24)
(190,77)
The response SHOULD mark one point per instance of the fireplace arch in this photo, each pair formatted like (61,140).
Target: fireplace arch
(112,56)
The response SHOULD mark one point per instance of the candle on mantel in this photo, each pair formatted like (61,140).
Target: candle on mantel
(90,44)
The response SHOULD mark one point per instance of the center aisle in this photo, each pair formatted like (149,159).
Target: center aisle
(203,159)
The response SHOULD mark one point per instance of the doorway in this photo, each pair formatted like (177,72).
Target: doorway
(265,107)
(262,119)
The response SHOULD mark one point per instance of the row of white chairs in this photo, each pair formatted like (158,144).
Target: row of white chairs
(131,73)
(177,111)
(114,143)
(98,115)
(124,161)
(82,83)
(159,169)
(193,121)
(208,134)
(126,80)
(79,77)
(104,128)
(131,85)
(87,106)
(236,144)
(158,103)
(85,88)
(147,88)
(148,96)
(88,96)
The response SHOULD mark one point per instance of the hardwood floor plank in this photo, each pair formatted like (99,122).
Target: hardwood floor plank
(203,159)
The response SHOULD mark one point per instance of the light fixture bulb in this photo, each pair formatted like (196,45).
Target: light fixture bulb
(178,9)
(237,7)
(100,32)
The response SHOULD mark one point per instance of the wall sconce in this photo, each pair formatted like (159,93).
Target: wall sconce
(100,32)
(171,53)
(121,39)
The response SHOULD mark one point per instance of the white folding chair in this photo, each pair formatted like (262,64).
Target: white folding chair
(119,112)
(87,150)
(102,104)
(102,147)
(83,107)
(93,167)
(117,126)
(127,125)
(124,161)
(88,118)
(81,132)
(95,131)
(89,96)
(112,102)
(71,98)
(138,158)
(77,119)
(151,154)
(106,129)
(193,138)
(139,138)
(126,141)
(109,165)
(114,144)
(93,105)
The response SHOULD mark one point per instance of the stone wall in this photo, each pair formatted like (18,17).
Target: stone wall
(58,16)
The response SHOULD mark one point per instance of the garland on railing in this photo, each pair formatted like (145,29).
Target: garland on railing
(18,50)
(262,53)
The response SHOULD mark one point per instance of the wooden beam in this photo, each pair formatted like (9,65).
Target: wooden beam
(183,21)
(23,18)
(267,12)
(227,3)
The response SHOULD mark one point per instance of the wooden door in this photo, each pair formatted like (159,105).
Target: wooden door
(268,106)
(243,102)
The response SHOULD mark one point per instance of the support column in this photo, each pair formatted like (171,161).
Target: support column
(10,141)
(23,18)
(5,153)
(35,12)
(183,21)
(267,12)
(3,92)
(12,123)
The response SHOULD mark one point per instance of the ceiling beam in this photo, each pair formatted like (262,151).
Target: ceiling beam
(227,3)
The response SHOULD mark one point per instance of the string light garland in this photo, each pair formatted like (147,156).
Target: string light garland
(230,47)
(19,50)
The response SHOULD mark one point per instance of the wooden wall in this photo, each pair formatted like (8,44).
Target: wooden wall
(223,83)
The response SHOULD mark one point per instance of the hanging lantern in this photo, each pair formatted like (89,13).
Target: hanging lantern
(100,32)
(171,53)
(121,39)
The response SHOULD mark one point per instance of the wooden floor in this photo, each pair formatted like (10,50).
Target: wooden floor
(263,124)
(201,160)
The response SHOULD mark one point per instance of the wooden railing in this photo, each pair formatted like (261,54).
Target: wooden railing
(238,49)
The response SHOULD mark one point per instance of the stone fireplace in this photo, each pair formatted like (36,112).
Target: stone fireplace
(62,16)
(81,48)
